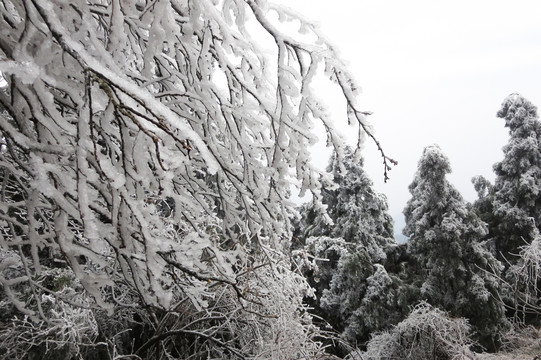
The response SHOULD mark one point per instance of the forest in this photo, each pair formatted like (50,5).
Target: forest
(149,154)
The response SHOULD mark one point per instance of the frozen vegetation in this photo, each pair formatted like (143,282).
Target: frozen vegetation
(148,153)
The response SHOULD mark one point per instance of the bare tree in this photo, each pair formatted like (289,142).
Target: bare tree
(148,153)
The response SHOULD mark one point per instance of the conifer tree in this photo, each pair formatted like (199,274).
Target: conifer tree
(516,199)
(355,211)
(356,218)
(363,298)
(445,239)
(355,294)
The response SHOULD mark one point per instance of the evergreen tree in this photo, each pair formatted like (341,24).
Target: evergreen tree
(355,294)
(363,298)
(516,199)
(444,238)
(355,211)
(355,219)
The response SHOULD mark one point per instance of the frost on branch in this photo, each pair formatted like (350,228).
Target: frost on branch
(523,281)
(148,149)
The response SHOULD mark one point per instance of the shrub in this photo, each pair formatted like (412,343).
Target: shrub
(427,333)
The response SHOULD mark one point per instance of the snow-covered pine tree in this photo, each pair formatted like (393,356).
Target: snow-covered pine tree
(445,239)
(355,293)
(355,216)
(363,298)
(148,152)
(355,212)
(516,195)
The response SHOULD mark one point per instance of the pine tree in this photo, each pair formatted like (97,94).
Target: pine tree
(357,213)
(363,298)
(516,199)
(355,294)
(355,217)
(445,239)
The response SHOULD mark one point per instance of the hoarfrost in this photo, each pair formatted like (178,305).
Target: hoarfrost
(161,191)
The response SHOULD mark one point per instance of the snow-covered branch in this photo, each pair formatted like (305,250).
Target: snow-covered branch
(149,150)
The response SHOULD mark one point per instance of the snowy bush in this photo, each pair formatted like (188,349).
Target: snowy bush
(67,327)
(523,339)
(428,333)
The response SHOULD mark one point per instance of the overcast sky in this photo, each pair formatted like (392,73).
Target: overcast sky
(434,72)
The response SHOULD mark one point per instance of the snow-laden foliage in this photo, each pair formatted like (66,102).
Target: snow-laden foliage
(362,298)
(345,291)
(521,340)
(347,245)
(355,212)
(148,151)
(511,207)
(457,272)
(517,188)
(483,206)
(321,256)
(378,306)
(427,333)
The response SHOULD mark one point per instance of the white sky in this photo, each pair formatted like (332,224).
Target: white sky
(434,72)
